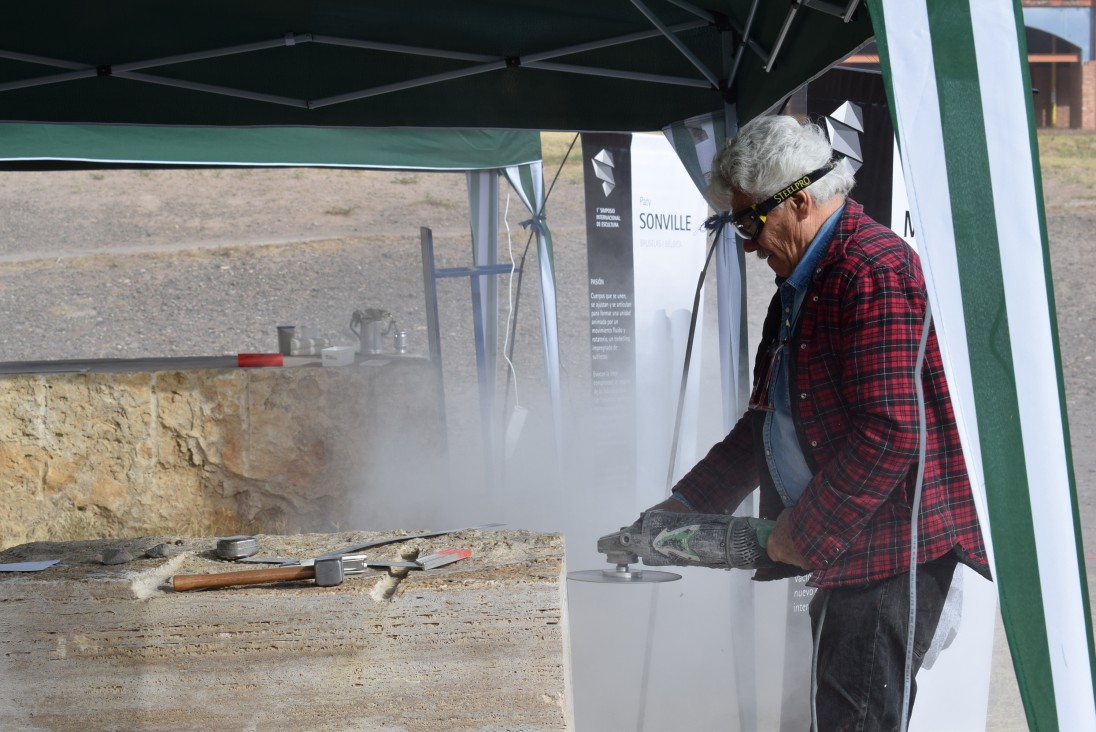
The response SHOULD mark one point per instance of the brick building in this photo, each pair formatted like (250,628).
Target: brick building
(1061,36)
(1061,41)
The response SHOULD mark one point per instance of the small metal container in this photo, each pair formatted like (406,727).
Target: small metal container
(401,341)
(237,547)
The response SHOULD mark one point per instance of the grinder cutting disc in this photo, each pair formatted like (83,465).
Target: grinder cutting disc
(622,575)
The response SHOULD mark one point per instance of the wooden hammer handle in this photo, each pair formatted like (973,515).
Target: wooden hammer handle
(184,582)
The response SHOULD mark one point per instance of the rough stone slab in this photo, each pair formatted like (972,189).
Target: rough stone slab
(480,644)
(113,454)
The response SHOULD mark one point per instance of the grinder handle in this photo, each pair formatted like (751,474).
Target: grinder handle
(184,582)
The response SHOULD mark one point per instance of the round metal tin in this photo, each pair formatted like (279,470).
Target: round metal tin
(237,547)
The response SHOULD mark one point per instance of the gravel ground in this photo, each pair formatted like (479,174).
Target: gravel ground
(126,264)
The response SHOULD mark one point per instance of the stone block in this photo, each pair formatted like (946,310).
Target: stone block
(480,644)
(121,453)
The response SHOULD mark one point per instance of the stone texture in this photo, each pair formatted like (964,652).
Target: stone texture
(480,644)
(206,451)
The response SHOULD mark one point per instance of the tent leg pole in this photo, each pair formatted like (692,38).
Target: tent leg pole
(486,396)
(433,334)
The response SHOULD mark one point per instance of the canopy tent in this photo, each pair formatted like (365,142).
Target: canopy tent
(576,65)
(530,64)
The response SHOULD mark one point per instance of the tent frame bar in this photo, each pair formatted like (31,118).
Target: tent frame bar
(81,71)
(676,42)
(831,8)
(214,89)
(822,6)
(485,64)
(42,60)
(398,48)
(44,80)
(409,84)
(850,9)
(745,42)
(609,42)
(780,38)
(632,75)
(475,274)
(290,39)
(707,15)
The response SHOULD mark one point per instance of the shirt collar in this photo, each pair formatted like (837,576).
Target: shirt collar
(802,274)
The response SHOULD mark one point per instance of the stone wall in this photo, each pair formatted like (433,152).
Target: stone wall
(209,452)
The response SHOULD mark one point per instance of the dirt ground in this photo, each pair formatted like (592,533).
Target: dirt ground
(1068,165)
(155,263)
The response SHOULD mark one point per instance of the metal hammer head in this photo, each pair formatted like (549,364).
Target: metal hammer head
(329,572)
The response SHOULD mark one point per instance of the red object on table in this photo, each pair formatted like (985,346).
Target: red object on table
(259,359)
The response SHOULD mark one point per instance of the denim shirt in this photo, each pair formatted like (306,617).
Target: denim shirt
(783,453)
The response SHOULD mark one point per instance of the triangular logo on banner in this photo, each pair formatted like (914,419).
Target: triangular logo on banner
(603,169)
(845,135)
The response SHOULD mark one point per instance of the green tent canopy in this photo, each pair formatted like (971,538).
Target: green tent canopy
(403,149)
(528,64)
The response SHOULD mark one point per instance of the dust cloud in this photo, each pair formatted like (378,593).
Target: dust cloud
(706,652)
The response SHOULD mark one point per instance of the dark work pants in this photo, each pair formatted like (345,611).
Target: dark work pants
(862,648)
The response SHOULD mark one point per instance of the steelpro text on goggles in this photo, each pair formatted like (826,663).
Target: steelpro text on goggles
(748,223)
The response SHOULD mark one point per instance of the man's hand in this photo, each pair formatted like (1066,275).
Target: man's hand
(780,547)
(670,504)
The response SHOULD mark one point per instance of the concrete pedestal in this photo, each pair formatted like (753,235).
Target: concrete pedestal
(479,644)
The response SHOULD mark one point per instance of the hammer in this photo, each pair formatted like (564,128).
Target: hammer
(326,571)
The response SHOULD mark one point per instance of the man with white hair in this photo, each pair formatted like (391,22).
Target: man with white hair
(832,432)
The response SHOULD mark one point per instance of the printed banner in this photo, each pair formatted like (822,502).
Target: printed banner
(646,248)
(608,183)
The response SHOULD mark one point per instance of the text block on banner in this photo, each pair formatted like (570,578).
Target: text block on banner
(645,250)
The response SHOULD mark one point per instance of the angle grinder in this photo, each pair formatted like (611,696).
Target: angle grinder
(664,538)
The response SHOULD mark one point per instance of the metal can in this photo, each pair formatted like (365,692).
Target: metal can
(401,341)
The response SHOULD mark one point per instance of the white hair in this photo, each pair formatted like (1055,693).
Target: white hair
(771,152)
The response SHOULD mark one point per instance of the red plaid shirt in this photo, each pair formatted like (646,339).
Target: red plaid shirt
(855,410)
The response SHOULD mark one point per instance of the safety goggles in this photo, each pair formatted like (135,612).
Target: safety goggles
(749,222)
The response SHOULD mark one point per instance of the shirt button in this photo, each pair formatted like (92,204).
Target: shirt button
(787,310)
(814,299)
(814,443)
(802,346)
(803,395)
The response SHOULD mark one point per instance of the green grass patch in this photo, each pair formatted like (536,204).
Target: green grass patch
(339,210)
(1069,158)
(553,151)
(432,200)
